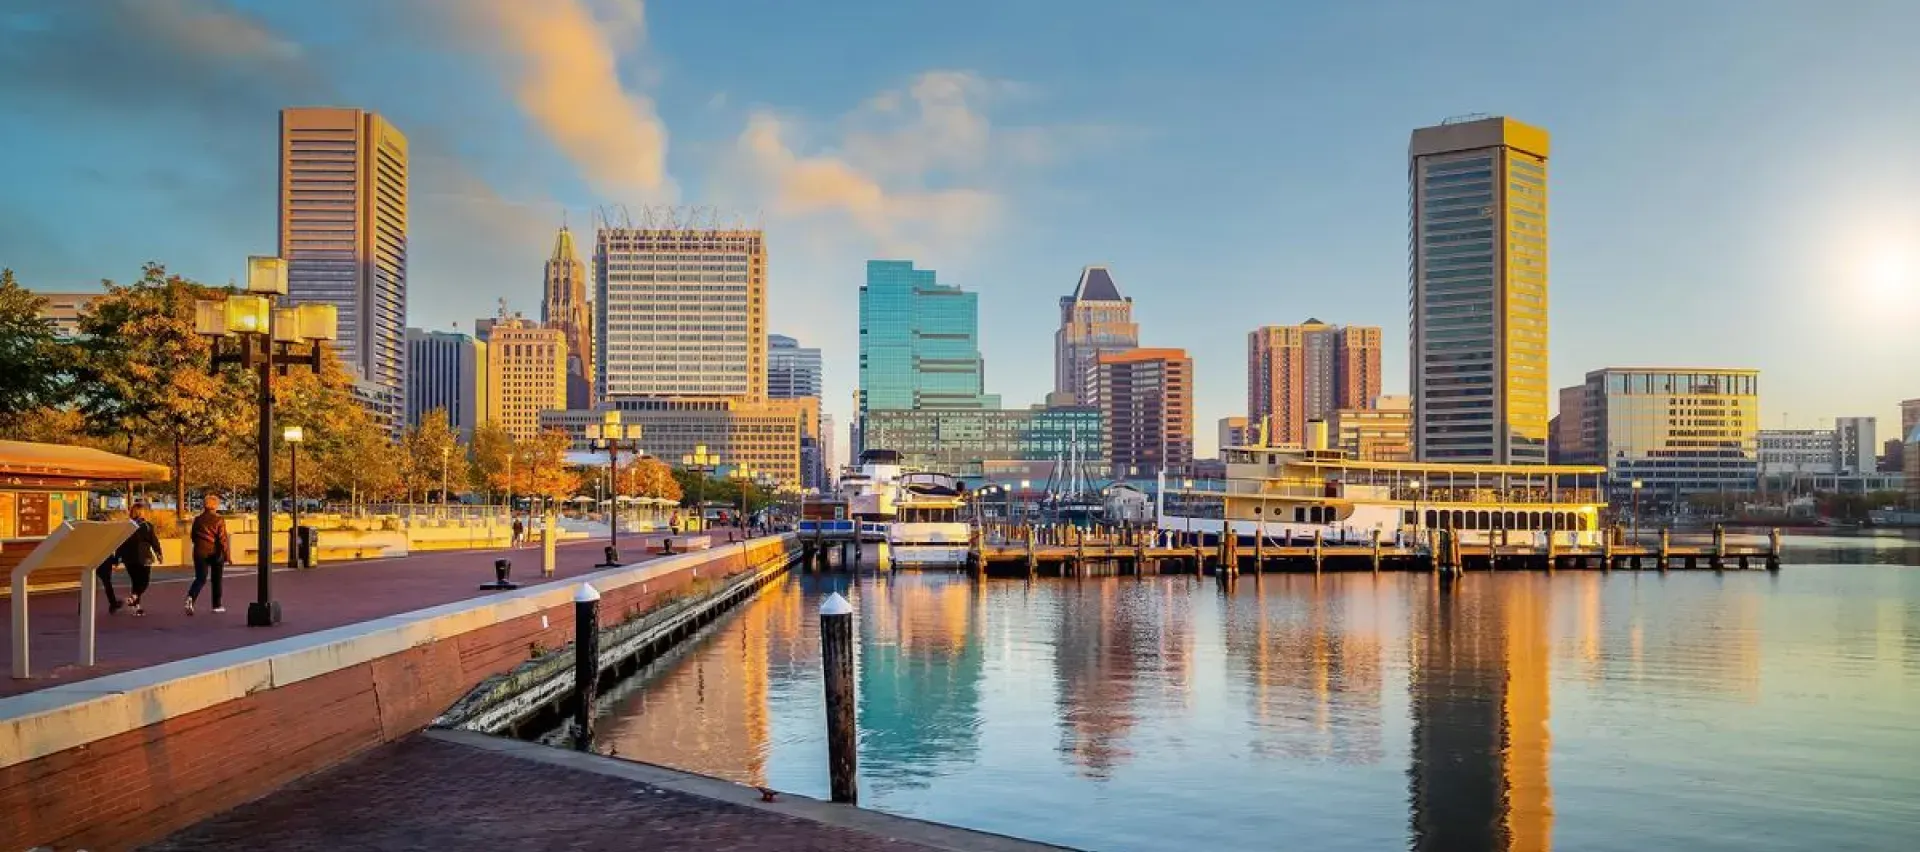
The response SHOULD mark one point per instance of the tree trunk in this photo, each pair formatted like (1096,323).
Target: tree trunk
(179,483)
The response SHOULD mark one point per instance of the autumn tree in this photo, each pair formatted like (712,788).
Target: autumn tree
(343,450)
(35,365)
(144,371)
(540,467)
(649,477)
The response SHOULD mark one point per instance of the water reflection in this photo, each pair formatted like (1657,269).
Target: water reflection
(1511,711)
(919,679)
(1312,656)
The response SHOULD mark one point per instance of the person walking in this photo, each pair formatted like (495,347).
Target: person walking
(519,531)
(211,549)
(138,554)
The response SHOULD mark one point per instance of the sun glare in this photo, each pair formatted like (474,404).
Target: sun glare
(1891,276)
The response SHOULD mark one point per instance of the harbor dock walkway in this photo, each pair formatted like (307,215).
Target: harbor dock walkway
(460,790)
(328,596)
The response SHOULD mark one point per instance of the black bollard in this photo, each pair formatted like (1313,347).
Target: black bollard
(836,657)
(613,558)
(586,662)
(501,568)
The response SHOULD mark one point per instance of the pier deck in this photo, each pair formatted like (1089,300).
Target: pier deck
(1066,552)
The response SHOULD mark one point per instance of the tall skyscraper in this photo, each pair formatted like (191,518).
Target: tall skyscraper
(564,306)
(1859,448)
(919,342)
(527,374)
(1909,417)
(793,371)
(1145,397)
(447,370)
(1477,258)
(343,233)
(681,312)
(1095,319)
(1297,373)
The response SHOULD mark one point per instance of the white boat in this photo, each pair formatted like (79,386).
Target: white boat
(929,529)
(1292,494)
(871,489)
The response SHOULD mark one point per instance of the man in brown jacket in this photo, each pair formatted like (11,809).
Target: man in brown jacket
(211,550)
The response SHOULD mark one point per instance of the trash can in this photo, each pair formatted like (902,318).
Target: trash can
(308,543)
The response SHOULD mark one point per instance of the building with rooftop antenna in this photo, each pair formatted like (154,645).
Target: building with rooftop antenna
(1093,320)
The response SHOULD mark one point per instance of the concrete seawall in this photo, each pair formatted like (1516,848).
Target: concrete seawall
(115,761)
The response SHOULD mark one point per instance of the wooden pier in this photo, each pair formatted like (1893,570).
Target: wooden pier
(1066,551)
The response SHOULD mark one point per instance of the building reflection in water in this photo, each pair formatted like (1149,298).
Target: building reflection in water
(1478,680)
(1114,642)
(1311,656)
(707,713)
(919,678)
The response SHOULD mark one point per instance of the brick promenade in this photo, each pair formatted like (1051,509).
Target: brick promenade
(331,595)
(427,793)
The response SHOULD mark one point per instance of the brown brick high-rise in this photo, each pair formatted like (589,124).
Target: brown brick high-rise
(1145,397)
(1297,373)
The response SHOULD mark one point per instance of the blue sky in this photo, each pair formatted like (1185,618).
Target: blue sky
(1733,182)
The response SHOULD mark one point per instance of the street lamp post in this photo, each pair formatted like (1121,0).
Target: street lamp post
(246,329)
(613,436)
(446,455)
(293,435)
(1418,520)
(700,462)
(1636,510)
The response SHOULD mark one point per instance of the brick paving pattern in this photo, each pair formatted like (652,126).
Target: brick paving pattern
(421,794)
(331,595)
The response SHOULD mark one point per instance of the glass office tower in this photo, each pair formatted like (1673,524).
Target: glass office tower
(1477,291)
(919,342)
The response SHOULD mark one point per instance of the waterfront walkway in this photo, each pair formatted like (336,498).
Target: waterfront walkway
(458,790)
(331,595)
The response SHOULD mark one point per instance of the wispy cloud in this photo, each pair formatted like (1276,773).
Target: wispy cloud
(564,71)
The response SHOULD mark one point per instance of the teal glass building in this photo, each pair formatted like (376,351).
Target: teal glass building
(919,342)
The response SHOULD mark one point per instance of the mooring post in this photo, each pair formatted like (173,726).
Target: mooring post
(1606,549)
(586,662)
(836,658)
(1719,545)
(1433,549)
(1316,551)
(1260,548)
(1773,549)
(1666,546)
(1033,563)
(1376,550)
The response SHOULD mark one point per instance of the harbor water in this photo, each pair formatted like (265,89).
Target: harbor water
(1628,710)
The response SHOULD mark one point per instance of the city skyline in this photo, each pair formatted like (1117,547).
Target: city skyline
(1006,169)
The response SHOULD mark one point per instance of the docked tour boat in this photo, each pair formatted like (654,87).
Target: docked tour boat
(870,490)
(929,527)
(1289,494)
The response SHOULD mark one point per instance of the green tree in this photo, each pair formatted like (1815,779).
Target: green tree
(360,462)
(434,455)
(35,364)
(144,372)
(492,450)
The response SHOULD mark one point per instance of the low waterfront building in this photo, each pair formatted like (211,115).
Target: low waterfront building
(1233,432)
(1855,438)
(1677,431)
(1798,452)
(959,441)
(1381,433)
(762,435)
(64,310)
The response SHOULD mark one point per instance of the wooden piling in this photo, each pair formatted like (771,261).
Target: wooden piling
(836,658)
(1773,549)
(1260,548)
(1666,546)
(1317,556)
(1719,546)
(586,662)
(1376,550)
